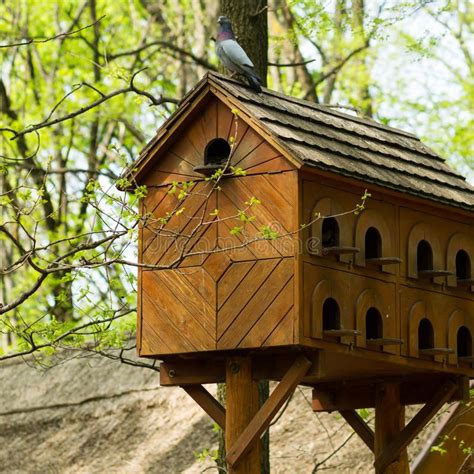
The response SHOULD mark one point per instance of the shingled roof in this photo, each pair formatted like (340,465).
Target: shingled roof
(321,137)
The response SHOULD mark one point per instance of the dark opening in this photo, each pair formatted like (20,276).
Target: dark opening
(217,152)
(373,243)
(425,335)
(373,324)
(330,232)
(464,342)
(424,256)
(331,315)
(463,265)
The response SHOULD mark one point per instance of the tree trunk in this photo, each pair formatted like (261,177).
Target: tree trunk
(330,84)
(250,24)
(363,96)
(290,52)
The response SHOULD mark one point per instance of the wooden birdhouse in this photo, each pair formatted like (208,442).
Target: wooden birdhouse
(283,230)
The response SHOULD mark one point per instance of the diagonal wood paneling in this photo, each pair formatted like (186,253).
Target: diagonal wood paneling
(265,292)
(283,333)
(202,282)
(177,312)
(244,291)
(274,210)
(231,279)
(244,296)
(225,120)
(165,246)
(266,323)
(274,206)
(228,211)
(159,334)
(208,120)
(229,207)
(216,264)
(186,287)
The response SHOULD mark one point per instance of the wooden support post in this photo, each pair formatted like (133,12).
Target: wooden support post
(241,406)
(389,422)
(259,423)
(399,443)
(207,402)
(360,427)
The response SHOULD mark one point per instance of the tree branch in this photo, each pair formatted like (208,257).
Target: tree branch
(46,40)
(104,98)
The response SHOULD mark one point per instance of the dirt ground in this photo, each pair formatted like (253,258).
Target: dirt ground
(99,416)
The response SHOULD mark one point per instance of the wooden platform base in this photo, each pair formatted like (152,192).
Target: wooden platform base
(244,421)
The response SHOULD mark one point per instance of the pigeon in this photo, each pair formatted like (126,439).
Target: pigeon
(233,56)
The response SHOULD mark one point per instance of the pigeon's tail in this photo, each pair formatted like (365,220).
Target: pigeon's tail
(254,81)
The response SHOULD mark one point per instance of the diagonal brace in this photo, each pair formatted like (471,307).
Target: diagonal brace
(269,409)
(207,402)
(360,427)
(419,421)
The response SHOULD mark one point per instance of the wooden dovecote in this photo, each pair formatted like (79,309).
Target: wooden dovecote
(380,292)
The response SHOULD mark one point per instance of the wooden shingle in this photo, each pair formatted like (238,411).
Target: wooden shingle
(319,136)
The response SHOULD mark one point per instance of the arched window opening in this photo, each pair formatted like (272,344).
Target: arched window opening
(217,152)
(331,315)
(330,232)
(464,342)
(424,256)
(425,334)
(373,243)
(373,324)
(463,265)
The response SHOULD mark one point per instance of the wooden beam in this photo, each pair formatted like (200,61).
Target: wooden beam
(419,421)
(192,372)
(389,422)
(352,395)
(180,371)
(454,427)
(360,427)
(262,419)
(241,406)
(207,402)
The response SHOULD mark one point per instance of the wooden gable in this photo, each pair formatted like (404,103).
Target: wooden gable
(213,299)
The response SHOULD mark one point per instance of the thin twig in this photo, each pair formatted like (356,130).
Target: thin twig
(46,40)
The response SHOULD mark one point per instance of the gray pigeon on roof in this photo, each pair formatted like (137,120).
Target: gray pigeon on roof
(233,56)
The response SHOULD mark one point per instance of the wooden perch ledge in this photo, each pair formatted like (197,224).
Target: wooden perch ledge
(338,250)
(436,351)
(426,274)
(381,261)
(340,332)
(385,341)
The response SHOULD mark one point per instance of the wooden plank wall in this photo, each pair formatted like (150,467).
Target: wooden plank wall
(234,294)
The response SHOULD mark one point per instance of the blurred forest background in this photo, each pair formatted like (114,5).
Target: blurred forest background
(84,84)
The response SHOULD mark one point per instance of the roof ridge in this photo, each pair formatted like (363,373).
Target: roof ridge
(324,108)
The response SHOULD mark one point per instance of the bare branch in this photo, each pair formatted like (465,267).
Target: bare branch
(46,40)
(301,63)
(104,98)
